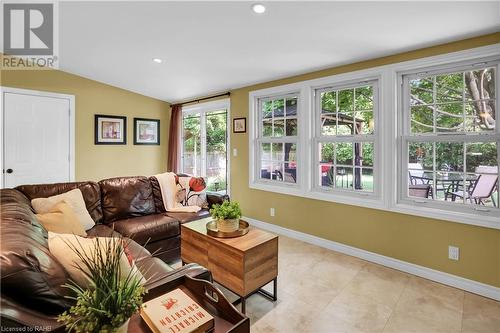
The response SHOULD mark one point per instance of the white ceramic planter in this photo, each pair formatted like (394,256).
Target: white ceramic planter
(124,327)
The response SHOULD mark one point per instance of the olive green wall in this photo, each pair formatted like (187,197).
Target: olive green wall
(410,238)
(95,162)
(413,239)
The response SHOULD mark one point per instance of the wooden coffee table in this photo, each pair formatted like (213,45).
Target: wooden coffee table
(243,264)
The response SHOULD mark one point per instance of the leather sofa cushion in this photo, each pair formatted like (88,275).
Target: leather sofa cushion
(163,245)
(188,217)
(125,197)
(148,228)
(90,191)
(137,251)
(102,230)
(157,197)
(30,275)
(214,198)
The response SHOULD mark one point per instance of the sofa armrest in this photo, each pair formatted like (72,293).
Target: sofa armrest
(170,281)
(192,270)
(214,198)
(18,318)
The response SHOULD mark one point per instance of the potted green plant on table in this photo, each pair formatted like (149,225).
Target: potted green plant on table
(111,297)
(227,216)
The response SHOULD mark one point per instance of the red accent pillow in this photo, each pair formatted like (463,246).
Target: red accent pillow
(197,184)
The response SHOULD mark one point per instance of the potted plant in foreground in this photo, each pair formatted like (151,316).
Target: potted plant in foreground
(227,216)
(111,297)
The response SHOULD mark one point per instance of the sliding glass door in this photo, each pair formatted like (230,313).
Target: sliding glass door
(204,144)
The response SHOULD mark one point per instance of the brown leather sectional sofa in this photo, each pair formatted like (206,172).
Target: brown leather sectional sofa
(31,278)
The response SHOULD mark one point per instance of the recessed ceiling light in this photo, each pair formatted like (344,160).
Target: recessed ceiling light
(258,8)
(157,60)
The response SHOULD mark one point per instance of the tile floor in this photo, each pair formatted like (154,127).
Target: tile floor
(324,291)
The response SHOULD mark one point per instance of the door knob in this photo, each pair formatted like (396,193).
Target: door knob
(9,171)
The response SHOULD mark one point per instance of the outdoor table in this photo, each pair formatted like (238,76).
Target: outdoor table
(452,179)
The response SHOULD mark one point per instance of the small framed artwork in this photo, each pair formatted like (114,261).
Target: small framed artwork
(146,131)
(239,125)
(110,130)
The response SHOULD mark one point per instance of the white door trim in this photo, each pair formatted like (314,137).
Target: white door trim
(224,103)
(70,98)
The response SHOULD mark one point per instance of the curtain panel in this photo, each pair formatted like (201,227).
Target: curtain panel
(173,138)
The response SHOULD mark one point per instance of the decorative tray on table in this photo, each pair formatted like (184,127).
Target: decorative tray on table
(226,317)
(214,232)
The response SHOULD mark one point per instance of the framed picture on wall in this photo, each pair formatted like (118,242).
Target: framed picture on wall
(239,125)
(146,131)
(110,130)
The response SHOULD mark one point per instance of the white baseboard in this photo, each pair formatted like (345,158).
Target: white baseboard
(428,273)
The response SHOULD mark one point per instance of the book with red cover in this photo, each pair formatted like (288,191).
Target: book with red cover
(176,312)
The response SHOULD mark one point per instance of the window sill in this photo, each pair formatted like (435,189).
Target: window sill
(373,202)
(365,200)
(475,219)
(282,188)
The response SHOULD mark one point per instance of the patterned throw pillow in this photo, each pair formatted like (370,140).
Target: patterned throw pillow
(181,195)
(194,191)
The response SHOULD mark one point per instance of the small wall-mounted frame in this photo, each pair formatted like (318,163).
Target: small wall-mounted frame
(110,130)
(239,125)
(146,131)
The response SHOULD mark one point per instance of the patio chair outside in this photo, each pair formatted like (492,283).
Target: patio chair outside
(415,171)
(419,190)
(482,189)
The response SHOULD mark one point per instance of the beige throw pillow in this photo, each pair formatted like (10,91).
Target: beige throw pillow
(62,220)
(61,246)
(73,198)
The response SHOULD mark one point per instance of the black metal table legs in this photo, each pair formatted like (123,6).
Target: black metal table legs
(270,296)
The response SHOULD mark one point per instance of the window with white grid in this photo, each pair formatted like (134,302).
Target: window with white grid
(450,140)
(277,138)
(345,137)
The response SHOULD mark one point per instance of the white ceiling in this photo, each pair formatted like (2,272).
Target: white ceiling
(211,47)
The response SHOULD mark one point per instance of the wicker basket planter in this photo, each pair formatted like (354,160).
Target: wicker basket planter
(228,225)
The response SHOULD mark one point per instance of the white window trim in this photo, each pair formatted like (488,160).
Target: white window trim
(374,138)
(204,108)
(254,131)
(282,139)
(407,137)
(390,77)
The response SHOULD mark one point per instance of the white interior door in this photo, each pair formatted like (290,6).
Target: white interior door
(37,139)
